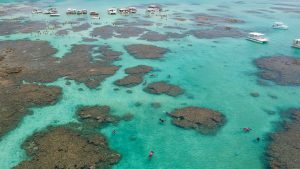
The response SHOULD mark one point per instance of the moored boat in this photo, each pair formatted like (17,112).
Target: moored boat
(296,43)
(94,13)
(153,9)
(112,11)
(257,37)
(54,14)
(132,9)
(279,25)
(71,11)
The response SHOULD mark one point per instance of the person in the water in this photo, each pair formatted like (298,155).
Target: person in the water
(247,129)
(162,120)
(151,154)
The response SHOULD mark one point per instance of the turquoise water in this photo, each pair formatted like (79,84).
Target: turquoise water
(218,73)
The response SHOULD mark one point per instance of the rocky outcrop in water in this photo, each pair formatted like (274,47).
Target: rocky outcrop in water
(33,61)
(163,88)
(283,70)
(135,76)
(141,51)
(96,115)
(283,151)
(14,101)
(129,81)
(108,31)
(64,147)
(204,120)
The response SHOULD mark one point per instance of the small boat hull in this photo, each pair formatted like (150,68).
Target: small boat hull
(296,46)
(257,41)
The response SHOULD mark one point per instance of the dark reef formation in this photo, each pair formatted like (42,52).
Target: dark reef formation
(217,32)
(210,20)
(283,151)
(283,70)
(139,70)
(64,147)
(155,36)
(108,31)
(129,81)
(74,145)
(135,76)
(141,51)
(163,88)
(96,115)
(82,27)
(33,61)
(8,27)
(204,120)
(16,98)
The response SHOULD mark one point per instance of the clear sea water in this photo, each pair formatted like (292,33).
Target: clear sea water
(218,73)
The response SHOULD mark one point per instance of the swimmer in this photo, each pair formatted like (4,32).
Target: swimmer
(247,129)
(151,154)
(257,139)
(162,120)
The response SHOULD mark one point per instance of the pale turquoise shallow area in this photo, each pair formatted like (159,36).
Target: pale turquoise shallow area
(218,73)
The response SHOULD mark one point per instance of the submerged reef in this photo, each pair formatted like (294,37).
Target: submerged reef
(135,76)
(155,36)
(163,88)
(16,98)
(141,51)
(210,20)
(8,27)
(204,120)
(33,61)
(217,32)
(96,115)
(74,145)
(283,70)
(283,151)
(140,69)
(129,81)
(108,31)
(65,147)
(82,27)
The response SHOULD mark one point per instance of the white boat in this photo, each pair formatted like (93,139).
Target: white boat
(257,37)
(94,13)
(54,14)
(95,17)
(132,9)
(79,12)
(46,12)
(279,25)
(36,11)
(153,9)
(84,11)
(112,11)
(71,11)
(296,43)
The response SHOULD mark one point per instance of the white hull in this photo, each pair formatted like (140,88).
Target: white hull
(281,28)
(256,40)
(296,46)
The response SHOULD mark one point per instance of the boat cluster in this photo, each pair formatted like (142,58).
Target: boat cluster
(71,11)
(260,37)
(50,11)
(151,9)
(122,11)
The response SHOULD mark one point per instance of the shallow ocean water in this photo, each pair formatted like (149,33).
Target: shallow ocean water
(217,73)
